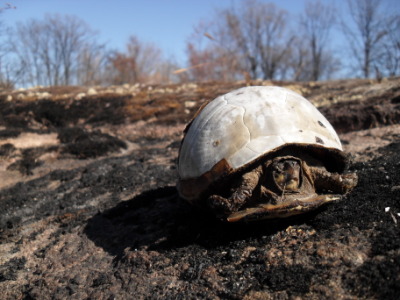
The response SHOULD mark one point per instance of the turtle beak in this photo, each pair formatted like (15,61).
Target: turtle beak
(283,209)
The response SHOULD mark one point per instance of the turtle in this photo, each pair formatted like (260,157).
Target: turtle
(261,152)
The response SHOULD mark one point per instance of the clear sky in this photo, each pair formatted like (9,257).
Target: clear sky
(166,23)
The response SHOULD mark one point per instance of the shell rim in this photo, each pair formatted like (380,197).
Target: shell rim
(334,160)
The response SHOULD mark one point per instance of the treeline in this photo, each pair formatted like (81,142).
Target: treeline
(250,41)
(64,50)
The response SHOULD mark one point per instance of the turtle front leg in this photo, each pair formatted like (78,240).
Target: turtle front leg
(241,193)
(333,182)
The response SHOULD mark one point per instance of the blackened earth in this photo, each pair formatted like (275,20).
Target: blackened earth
(92,211)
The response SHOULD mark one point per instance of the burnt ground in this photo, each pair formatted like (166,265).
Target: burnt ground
(89,210)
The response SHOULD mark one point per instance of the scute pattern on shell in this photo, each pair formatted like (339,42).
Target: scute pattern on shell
(246,123)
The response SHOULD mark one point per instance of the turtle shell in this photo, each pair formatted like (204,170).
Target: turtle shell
(240,127)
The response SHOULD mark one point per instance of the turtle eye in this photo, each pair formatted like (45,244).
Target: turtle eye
(286,175)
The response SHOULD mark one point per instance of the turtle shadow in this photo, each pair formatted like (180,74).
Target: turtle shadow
(159,220)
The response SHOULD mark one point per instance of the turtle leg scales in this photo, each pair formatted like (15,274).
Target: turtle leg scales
(333,182)
(239,196)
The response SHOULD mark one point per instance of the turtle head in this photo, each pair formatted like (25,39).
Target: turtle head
(286,174)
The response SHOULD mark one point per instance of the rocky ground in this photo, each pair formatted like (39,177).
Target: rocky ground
(89,210)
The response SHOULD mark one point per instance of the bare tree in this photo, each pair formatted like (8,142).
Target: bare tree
(259,34)
(208,59)
(6,79)
(300,60)
(211,63)
(389,60)
(365,40)
(140,62)
(166,72)
(202,62)
(316,23)
(92,64)
(301,63)
(49,50)
(252,38)
(6,6)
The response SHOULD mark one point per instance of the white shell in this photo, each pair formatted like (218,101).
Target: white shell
(246,123)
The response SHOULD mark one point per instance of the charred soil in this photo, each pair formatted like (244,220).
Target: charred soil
(89,209)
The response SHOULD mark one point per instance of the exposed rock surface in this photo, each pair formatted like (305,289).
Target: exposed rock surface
(88,207)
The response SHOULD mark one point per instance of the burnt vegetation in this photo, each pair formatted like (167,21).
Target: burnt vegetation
(93,211)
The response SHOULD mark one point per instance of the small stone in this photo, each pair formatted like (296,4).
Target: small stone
(395,188)
(119,90)
(190,104)
(44,95)
(92,91)
(80,96)
(20,96)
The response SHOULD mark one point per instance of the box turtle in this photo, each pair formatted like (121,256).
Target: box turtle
(261,152)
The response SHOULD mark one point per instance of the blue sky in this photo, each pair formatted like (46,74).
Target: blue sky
(166,23)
